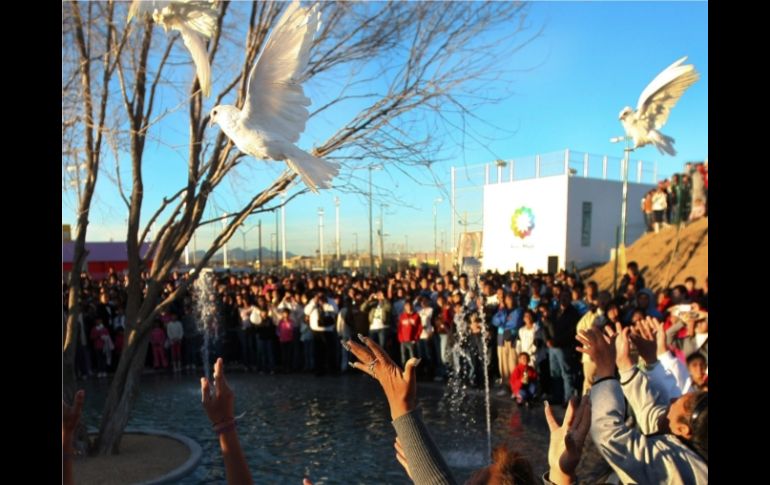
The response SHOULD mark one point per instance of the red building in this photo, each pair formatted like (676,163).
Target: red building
(101,257)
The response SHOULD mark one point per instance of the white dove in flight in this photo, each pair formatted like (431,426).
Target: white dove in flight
(274,113)
(195,20)
(655,105)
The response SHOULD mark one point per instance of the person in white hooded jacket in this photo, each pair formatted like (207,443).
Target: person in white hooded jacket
(663,447)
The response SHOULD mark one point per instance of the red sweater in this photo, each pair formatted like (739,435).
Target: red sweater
(409,327)
(518,374)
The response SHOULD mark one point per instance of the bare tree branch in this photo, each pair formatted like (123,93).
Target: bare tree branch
(403,64)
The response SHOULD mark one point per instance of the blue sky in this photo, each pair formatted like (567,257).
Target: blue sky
(591,60)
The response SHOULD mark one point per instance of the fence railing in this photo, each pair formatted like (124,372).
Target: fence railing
(467,181)
(568,162)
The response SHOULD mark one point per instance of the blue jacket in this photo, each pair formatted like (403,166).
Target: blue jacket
(508,320)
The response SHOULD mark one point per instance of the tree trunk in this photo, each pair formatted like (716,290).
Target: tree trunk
(123,391)
(72,329)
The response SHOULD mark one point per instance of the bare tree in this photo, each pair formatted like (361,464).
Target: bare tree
(87,70)
(430,61)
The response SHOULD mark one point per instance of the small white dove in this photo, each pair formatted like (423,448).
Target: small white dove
(195,20)
(655,105)
(274,113)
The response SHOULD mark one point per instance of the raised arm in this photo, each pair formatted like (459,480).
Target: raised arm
(220,408)
(649,338)
(626,449)
(426,466)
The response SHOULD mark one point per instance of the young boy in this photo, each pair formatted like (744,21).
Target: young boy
(698,369)
(523,380)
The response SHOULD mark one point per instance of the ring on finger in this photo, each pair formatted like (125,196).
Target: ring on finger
(371,367)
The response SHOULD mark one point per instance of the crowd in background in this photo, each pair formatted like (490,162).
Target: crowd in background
(294,323)
(682,199)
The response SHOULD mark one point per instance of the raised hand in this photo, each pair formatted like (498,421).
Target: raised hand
(644,337)
(600,347)
(623,348)
(660,336)
(567,440)
(219,405)
(400,386)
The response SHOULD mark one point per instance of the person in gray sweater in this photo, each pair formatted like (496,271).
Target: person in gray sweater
(663,448)
(421,458)
(415,448)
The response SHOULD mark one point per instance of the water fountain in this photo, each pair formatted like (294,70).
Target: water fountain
(465,353)
(485,346)
(206,315)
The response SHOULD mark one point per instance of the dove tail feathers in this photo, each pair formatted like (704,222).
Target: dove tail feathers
(664,143)
(315,172)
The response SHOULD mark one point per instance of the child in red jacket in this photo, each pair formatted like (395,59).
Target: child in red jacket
(408,329)
(523,380)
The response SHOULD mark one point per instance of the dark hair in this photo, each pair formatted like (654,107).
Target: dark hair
(698,410)
(530,312)
(507,468)
(695,356)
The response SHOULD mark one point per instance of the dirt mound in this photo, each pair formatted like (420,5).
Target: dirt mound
(665,259)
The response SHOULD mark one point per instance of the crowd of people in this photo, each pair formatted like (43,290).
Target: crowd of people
(550,337)
(682,199)
(268,324)
(668,442)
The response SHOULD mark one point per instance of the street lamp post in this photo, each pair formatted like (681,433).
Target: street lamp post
(243,246)
(277,236)
(195,246)
(243,236)
(259,225)
(337,231)
(273,242)
(371,237)
(371,234)
(620,253)
(224,223)
(500,166)
(321,235)
(382,235)
(283,233)
(436,201)
(355,235)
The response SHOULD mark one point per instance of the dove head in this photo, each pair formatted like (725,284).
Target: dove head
(223,114)
(626,112)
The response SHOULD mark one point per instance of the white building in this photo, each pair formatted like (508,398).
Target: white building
(562,219)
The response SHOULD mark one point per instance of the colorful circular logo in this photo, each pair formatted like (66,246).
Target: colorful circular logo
(522,222)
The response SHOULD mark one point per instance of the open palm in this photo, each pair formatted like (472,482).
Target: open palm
(567,439)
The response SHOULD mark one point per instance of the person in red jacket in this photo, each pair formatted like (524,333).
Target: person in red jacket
(409,330)
(523,380)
